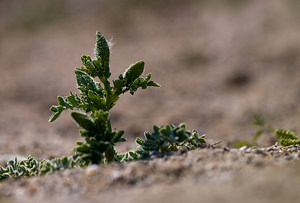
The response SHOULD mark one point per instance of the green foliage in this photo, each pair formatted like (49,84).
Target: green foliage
(170,138)
(102,49)
(133,72)
(259,122)
(32,167)
(15,168)
(90,110)
(286,137)
(99,138)
(95,101)
(164,139)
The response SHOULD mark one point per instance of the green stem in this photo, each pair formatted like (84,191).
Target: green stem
(110,154)
(109,123)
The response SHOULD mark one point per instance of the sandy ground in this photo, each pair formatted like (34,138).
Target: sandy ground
(218,63)
(208,175)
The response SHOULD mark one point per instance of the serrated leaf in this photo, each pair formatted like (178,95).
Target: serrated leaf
(73,100)
(85,81)
(98,102)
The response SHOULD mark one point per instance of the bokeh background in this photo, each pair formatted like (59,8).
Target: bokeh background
(218,62)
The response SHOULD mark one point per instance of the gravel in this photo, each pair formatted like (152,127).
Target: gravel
(182,173)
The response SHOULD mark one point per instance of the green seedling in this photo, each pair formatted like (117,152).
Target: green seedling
(282,136)
(262,128)
(165,139)
(287,138)
(95,101)
(32,167)
(90,110)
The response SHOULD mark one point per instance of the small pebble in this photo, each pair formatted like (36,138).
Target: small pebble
(226,149)
(260,151)
(243,148)
(91,170)
(248,150)
(234,150)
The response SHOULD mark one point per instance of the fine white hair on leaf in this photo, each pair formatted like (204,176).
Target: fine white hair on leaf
(110,44)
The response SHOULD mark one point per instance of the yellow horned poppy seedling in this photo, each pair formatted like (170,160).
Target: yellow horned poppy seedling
(90,110)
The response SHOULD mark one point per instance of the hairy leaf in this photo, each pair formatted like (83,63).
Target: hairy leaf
(102,49)
(83,121)
(134,71)
(85,81)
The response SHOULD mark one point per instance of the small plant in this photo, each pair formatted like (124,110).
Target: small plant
(260,123)
(15,168)
(170,138)
(32,167)
(164,139)
(90,110)
(286,137)
(95,101)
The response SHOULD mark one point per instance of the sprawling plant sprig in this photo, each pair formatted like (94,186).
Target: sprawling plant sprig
(95,101)
(164,139)
(15,168)
(170,138)
(282,136)
(286,137)
(33,167)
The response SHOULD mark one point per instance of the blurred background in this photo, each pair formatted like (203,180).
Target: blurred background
(218,62)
